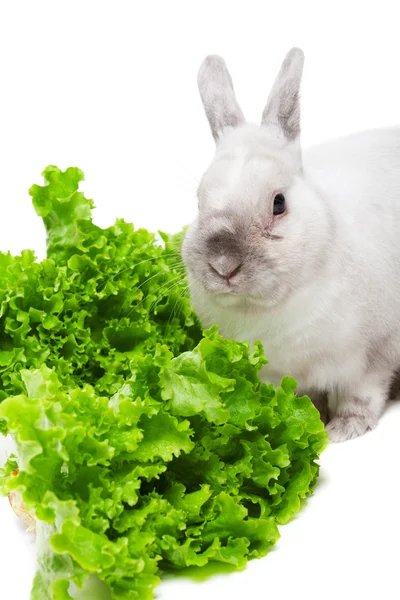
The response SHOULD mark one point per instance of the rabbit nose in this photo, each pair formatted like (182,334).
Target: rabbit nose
(225,267)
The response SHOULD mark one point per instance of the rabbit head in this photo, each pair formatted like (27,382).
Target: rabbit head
(262,228)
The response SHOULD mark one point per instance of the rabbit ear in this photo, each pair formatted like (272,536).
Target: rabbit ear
(283,107)
(218,96)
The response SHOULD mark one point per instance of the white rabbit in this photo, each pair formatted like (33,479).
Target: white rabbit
(301,250)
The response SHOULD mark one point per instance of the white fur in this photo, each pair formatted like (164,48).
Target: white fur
(328,313)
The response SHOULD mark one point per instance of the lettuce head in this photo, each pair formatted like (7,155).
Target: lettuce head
(143,443)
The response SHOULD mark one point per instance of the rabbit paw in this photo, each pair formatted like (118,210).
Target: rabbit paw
(343,428)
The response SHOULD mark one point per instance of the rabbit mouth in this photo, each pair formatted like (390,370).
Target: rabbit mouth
(239,300)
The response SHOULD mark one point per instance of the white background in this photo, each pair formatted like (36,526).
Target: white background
(111,87)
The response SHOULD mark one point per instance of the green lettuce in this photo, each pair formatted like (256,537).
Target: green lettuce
(143,443)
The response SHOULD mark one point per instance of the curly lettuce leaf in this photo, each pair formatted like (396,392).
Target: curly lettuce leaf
(124,483)
(101,296)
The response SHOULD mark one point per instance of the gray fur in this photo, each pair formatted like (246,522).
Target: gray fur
(341,429)
(227,241)
(218,96)
(359,412)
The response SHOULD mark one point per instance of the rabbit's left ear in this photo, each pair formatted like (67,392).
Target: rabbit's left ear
(282,111)
(218,96)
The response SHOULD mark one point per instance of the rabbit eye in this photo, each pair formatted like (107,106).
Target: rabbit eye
(279,204)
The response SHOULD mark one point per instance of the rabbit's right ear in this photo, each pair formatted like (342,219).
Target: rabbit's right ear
(282,110)
(218,96)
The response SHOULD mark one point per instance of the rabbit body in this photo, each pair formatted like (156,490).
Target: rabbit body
(318,285)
